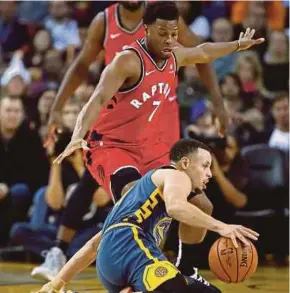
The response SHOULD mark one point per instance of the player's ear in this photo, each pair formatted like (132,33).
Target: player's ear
(184,163)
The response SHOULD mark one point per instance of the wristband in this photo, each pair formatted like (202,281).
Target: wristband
(239,45)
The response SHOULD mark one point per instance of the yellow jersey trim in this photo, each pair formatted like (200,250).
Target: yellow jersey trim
(142,246)
(120,225)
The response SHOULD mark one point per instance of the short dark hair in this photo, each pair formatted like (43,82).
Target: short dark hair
(279,97)
(166,10)
(235,77)
(184,147)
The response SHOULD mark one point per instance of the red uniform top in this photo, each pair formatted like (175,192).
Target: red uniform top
(134,115)
(116,36)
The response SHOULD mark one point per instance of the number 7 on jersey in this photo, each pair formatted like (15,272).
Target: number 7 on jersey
(156,104)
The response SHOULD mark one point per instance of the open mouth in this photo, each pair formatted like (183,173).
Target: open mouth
(167,50)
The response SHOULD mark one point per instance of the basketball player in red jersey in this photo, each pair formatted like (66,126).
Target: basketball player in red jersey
(128,81)
(119,25)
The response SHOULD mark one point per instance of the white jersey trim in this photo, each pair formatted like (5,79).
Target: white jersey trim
(142,73)
(150,58)
(106,28)
(121,27)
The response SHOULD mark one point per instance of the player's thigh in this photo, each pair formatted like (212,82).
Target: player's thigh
(109,286)
(156,158)
(150,268)
(113,168)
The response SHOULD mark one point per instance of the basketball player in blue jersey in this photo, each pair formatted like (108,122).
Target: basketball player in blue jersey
(129,254)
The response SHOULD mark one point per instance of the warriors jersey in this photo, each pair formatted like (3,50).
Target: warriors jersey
(116,35)
(144,207)
(133,115)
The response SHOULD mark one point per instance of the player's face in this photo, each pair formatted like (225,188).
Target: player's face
(131,5)
(198,169)
(162,37)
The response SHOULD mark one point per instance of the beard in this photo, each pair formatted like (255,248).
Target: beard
(132,5)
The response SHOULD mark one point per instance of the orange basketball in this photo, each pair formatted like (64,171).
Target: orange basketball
(232,265)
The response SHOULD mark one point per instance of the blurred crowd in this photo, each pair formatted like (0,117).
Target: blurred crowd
(39,41)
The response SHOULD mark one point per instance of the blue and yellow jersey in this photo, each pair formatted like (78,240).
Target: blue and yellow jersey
(143,206)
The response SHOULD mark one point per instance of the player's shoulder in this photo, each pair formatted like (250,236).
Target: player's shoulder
(98,23)
(174,176)
(127,58)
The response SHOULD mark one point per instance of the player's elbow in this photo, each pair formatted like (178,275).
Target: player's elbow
(173,210)
(205,56)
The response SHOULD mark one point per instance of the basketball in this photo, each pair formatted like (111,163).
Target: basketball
(230,264)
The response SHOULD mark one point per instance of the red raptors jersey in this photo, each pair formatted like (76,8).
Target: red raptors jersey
(134,115)
(116,36)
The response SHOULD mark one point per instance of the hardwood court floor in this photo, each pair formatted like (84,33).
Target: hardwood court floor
(15,278)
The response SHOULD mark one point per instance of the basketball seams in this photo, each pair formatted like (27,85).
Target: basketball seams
(221,264)
(250,264)
(237,261)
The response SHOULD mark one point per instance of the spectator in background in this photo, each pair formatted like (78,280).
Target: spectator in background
(192,14)
(13,34)
(33,11)
(189,90)
(256,18)
(16,78)
(190,87)
(24,165)
(276,63)
(63,29)
(280,110)
(249,70)
(39,234)
(201,120)
(275,12)
(41,44)
(44,105)
(222,31)
(84,92)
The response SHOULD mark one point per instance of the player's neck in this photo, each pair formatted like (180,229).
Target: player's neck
(131,16)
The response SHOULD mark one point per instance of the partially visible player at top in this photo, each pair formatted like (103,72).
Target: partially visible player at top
(119,25)
(129,254)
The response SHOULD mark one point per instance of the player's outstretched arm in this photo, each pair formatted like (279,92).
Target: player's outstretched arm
(176,188)
(125,65)
(80,261)
(77,73)
(208,52)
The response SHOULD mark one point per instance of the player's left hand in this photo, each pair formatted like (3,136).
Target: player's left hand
(221,121)
(246,40)
(71,147)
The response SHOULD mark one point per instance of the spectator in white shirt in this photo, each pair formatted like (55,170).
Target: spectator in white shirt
(280,135)
(64,30)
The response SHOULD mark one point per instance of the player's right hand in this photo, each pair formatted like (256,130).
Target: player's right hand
(47,288)
(71,147)
(54,129)
(239,232)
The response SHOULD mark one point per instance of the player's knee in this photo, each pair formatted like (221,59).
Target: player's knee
(203,202)
(208,207)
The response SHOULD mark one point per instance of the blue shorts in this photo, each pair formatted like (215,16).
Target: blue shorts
(127,257)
